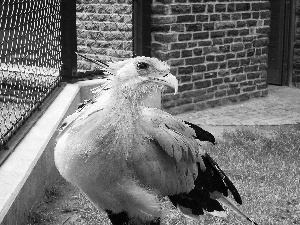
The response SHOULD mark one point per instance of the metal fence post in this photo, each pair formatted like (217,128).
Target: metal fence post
(68,40)
(142,27)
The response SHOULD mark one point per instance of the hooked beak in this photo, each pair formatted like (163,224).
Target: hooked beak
(167,80)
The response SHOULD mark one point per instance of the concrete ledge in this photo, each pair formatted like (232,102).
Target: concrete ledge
(30,168)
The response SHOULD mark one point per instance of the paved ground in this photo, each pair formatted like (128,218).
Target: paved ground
(280,107)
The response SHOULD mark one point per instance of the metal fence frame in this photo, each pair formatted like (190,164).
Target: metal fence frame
(141,47)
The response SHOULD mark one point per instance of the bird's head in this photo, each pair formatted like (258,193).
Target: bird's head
(138,77)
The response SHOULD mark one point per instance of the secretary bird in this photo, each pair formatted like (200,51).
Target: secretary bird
(125,156)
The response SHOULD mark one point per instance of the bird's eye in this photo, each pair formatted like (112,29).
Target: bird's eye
(142,66)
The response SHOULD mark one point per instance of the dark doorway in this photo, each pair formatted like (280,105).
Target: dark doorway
(279,37)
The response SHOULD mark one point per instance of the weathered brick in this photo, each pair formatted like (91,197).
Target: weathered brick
(204,97)
(185,87)
(225,24)
(220,57)
(210,49)
(263,30)
(217,81)
(210,58)
(177,62)
(160,9)
(232,32)
(210,75)
(185,70)
(158,19)
(193,93)
(197,51)
(252,76)
(179,45)
(165,38)
(168,104)
(202,84)
(194,60)
(250,68)
(240,77)
(220,7)
(160,28)
(200,106)
(233,63)
(251,23)
(223,73)
(196,77)
(193,27)
(220,94)
(174,54)
(241,23)
(248,89)
(244,32)
(200,35)
(244,97)
(231,7)
(215,17)
(246,16)
(208,26)
(199,8)
(169,97)
(212,66)
(260,6)
(184,101)
(180,9)
(199,68)
(177,27)
(215,34)
(185,78)
(186,18)
(186,53)
(202,18)
(224,48)
(226,16)
(213,103)
(233,91)
(237,47)
(184,37)
(165,1)
(204,43)
(237,70)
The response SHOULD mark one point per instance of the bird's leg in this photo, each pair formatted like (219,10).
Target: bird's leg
(118,218)
(122,219)
(156,222)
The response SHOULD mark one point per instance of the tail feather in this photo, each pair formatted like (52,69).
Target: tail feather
(231,205)
(211,191)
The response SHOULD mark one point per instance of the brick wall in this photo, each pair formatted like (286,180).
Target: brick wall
(104,30)
(217,49)
(296,63)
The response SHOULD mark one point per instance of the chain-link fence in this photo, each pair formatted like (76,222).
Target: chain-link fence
(30,59)
(104,30)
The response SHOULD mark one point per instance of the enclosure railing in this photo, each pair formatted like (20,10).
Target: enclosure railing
(30,47)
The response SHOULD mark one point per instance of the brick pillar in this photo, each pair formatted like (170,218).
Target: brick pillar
(217,50)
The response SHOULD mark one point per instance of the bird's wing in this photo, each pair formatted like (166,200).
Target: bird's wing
(166,154)
(87,107)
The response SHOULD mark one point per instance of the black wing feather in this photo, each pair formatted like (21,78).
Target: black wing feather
(201,134)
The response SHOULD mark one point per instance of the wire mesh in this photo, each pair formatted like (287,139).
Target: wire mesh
(30,59)
(104,30)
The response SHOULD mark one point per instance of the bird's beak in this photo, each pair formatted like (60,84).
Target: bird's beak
(168,80)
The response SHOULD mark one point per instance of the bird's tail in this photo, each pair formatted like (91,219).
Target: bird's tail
(231,205)
(209,194)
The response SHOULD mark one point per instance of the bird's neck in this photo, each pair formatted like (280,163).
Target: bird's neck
(124,108)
